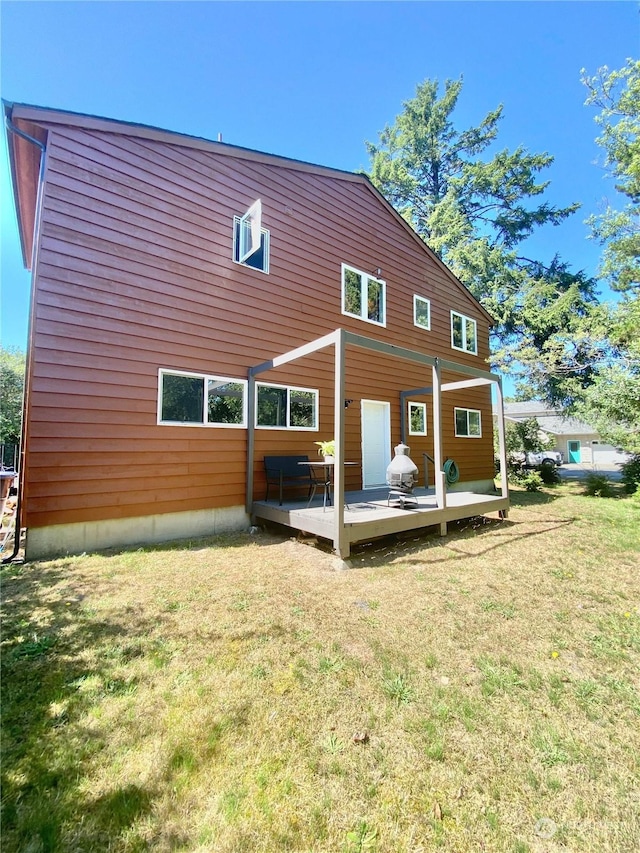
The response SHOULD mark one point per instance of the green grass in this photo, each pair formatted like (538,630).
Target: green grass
(473,692)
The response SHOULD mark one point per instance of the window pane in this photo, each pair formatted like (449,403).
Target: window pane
(182,398)
(417,419)
(461,422)
(272,406)
(474,423)
(456,325)
(225,402)
(470,343)
(302,408)
(256,260)
(352,293)
(422,307)
(245,239)
(375,300)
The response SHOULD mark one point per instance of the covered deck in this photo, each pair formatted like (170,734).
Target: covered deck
(365,515)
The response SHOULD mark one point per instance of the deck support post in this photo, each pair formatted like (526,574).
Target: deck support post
(443,528)
(340,542)
(499,417)
(251,436)
(441,499)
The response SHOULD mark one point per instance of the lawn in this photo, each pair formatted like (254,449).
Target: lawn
(245,693)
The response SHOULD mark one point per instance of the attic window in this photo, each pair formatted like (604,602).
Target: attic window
(250,239)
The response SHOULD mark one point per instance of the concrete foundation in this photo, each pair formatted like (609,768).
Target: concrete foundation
(81,537)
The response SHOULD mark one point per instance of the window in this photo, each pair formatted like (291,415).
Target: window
(363,296)
(468,423)
(464,333)
(282,407)
(250,239)
(421,312)
(417,418)
(196,399)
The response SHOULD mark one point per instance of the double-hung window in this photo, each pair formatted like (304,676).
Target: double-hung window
(468,423)
(195,399)
(421,312)
(285,407)
(464,333)
(417,413)
(363,296)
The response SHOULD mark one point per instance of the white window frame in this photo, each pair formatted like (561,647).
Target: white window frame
(468,433)
(365,277)
(416,405)
(250,231)
(417,298)
(288,389)
(165,371)
(465,320)
(264,233)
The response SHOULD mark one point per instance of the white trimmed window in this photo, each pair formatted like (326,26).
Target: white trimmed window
(195,399)
(251,240)
(363,296)
(468,423)
(417,415)
(285,407)
(421,312)
(464,333)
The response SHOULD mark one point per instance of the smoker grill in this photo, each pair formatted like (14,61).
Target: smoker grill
(402,476)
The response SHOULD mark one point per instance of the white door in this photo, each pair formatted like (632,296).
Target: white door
(376,442)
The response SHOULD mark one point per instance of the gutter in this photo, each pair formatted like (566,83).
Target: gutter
(11,128)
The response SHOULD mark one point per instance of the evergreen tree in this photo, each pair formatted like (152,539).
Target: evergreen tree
(617,94)
(475,209)
(611,400)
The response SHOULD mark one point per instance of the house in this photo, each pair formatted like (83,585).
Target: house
(577,441)
(197,306)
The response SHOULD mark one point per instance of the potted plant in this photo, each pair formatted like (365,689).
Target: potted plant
(327,449)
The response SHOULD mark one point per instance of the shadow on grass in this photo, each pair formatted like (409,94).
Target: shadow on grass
(45,745)
(377,552)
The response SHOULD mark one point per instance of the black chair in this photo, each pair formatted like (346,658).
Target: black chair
(320,476)
(285,473)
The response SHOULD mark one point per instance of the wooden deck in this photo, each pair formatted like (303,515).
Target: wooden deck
(367,514)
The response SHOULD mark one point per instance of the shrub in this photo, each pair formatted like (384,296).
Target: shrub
(549,473)
(532,481)
(598,486)
(631,474)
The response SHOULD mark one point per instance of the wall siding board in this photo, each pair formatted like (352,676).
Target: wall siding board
(136,273)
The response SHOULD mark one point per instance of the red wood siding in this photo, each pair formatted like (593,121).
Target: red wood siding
(135,273)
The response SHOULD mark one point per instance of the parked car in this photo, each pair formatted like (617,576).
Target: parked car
(534,460)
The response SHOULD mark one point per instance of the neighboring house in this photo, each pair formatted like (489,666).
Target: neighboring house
(578,442)
(197,306)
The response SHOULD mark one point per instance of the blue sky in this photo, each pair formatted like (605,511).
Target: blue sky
(314,80)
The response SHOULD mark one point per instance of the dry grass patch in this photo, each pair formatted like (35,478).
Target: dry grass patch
(242,694)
